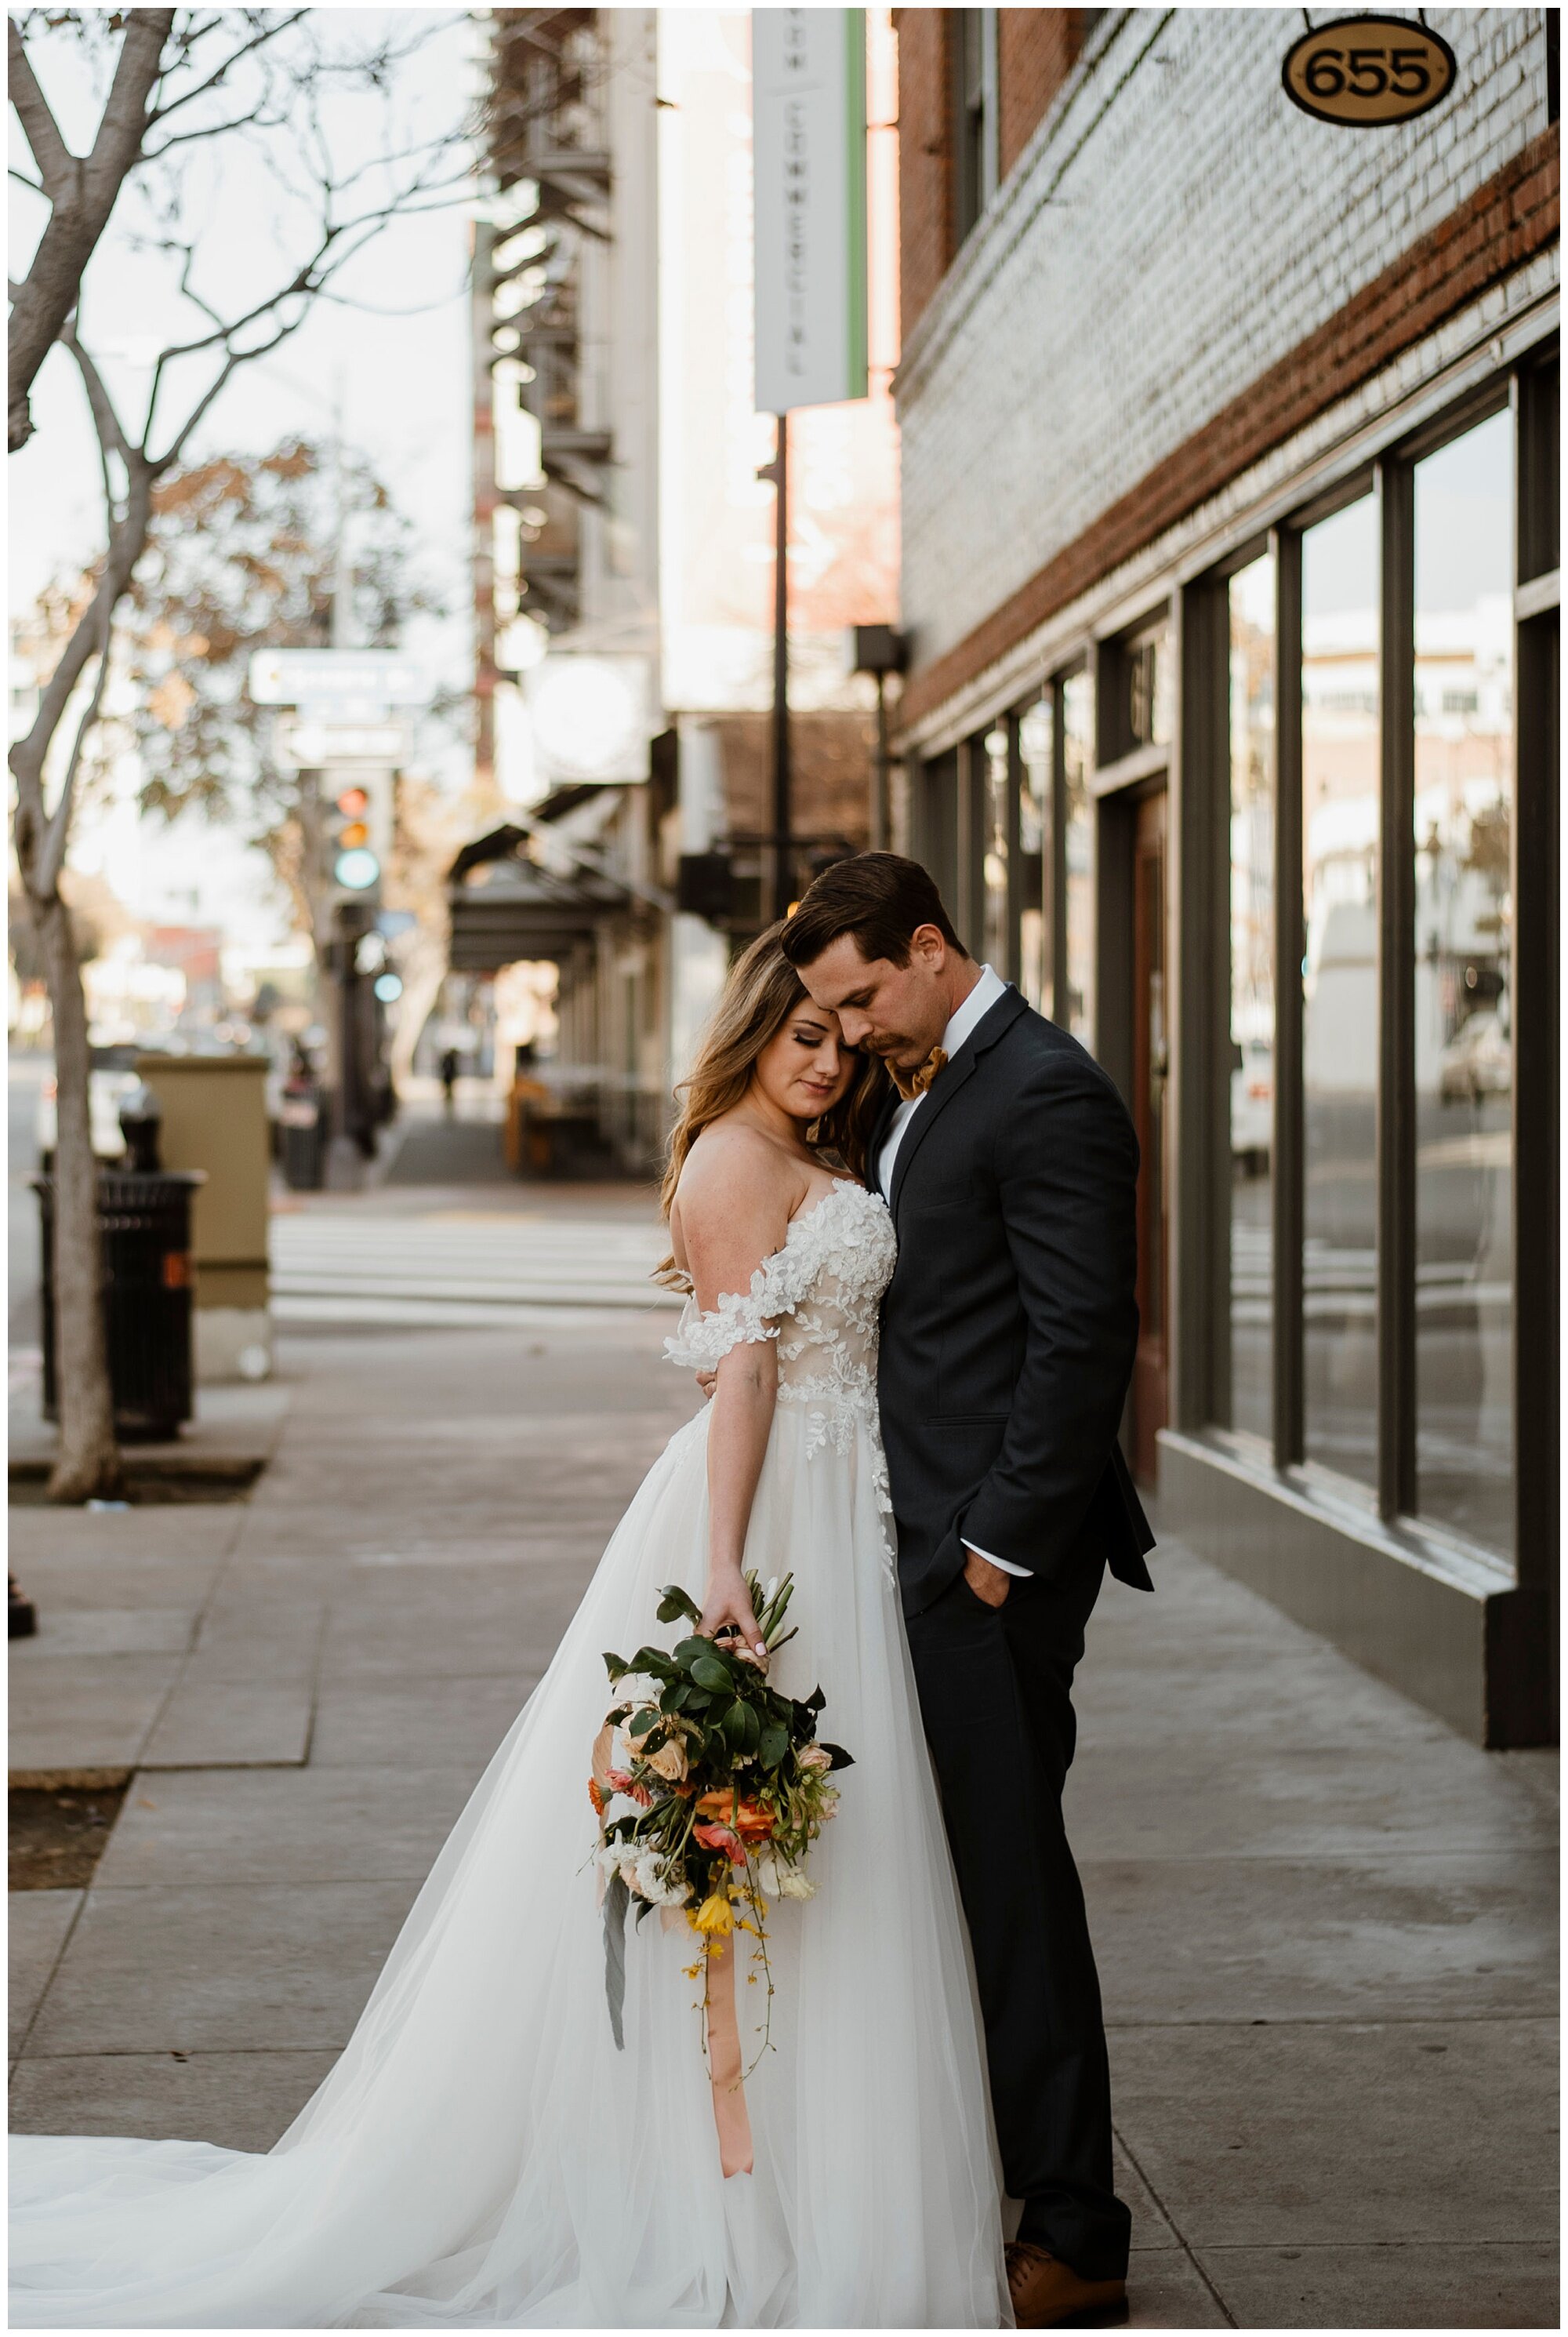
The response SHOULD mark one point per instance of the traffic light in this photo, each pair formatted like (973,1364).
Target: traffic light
(358,828)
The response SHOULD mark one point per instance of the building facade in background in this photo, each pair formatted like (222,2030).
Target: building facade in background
(1230,573)
(624,541)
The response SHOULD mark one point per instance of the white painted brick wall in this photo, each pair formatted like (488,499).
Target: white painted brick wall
(1175,228)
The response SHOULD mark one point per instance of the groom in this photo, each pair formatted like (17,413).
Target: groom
(1009,1164)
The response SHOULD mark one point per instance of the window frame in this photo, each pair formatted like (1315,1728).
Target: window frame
(1528,387)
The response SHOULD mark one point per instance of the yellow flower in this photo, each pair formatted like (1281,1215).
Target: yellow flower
(714,1916)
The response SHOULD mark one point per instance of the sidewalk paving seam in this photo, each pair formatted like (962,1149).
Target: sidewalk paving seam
(20,2047)
(1135,2163)
(1548,2015)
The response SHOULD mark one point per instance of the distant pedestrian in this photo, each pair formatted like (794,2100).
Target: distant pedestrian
(449,1063)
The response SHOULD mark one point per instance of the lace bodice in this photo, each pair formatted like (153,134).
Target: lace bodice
(818,1296)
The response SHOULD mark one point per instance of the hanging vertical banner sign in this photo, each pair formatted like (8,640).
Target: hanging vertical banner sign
(809,145)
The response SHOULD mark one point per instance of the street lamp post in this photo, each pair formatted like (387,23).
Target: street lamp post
(880,650)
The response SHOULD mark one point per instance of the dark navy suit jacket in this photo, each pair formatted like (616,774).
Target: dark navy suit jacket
(1009,1325)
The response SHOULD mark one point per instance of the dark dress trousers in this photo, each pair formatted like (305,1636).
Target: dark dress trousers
(1007,1347)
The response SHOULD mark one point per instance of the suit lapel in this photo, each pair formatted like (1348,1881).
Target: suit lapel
(947,1084)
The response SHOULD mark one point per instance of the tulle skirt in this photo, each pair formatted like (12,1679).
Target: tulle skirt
(482,2155)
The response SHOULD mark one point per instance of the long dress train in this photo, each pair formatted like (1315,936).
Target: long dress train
(482,2155)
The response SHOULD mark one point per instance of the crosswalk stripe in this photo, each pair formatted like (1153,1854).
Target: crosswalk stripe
(414,1270)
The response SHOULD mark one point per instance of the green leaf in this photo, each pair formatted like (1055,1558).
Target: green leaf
(708,1671)
(617,1667)
(674,1601)
(841,1759)
(773,1744)
(815,1701)
(644,1909)
(673,1699)
(733,1727)
(687,1651)
(641,1722)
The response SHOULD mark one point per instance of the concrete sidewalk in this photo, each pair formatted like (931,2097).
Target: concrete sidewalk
(1324,1924)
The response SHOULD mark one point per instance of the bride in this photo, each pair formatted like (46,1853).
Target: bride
(482,2155)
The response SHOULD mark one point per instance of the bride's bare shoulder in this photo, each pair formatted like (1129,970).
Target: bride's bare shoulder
(733,1166)
(736,1195)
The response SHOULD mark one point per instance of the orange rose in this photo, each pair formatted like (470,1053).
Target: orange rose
(750,1820)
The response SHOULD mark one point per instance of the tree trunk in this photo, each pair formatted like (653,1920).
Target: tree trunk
(87,1466)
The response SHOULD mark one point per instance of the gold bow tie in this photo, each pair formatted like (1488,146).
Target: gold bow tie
(911,1084)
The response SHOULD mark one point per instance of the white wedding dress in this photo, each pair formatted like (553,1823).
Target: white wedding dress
(482,2155)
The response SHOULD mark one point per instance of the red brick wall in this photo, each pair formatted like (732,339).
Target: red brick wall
(925,162)
(1037,49)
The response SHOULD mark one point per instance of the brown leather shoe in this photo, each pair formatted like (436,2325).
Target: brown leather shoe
(1046,2294)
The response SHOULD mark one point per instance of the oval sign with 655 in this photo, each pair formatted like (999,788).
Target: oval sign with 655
(1367,72)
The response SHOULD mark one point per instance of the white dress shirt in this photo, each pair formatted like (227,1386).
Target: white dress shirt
(976,1006)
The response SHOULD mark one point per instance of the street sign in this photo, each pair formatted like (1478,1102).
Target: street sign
(313,745)
(341,685)
(1365,72)
(809,138)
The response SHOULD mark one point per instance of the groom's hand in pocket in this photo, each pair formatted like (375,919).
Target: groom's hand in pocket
(986,1581)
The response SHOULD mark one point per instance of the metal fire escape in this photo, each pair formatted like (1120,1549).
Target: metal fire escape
(549,154)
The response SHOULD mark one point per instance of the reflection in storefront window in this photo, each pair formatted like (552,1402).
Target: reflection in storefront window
(1150,687)
(1035,744)
(1339,846)
(1077,1010)
(996,949)
(1464,966)
(1251,1072)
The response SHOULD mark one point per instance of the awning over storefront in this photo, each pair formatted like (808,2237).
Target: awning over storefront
(505,906)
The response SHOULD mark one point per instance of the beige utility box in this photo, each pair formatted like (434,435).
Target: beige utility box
(215,1119)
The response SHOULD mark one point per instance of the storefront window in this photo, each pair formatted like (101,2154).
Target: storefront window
(1463,984)
(996,941)
(1339,846)
(1036,734)
(1077,700)
(1251,1361)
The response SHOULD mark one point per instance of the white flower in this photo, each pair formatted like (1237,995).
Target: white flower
(768,1873)
(653,1883)
(794,1884)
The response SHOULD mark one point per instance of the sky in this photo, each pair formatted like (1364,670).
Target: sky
(392,356)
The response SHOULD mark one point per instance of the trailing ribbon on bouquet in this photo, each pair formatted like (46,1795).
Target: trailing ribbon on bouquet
(911,1084)
(730,2115)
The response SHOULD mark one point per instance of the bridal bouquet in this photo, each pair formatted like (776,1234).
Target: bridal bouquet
(718,1793)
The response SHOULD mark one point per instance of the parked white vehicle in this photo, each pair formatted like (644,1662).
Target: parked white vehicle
(1252,1103)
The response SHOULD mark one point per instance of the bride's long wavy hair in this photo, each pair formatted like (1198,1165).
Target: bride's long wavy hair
(760,994)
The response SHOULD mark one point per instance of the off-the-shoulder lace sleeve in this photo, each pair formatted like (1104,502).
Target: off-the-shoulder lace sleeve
(742,1318)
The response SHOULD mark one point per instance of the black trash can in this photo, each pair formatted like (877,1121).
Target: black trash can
(302,1123)
(144,1226)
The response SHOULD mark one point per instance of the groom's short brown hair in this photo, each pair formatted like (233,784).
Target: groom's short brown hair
(878,898)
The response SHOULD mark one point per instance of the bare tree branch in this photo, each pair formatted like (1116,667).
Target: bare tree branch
(164,111)
(82,193)
(52,859)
